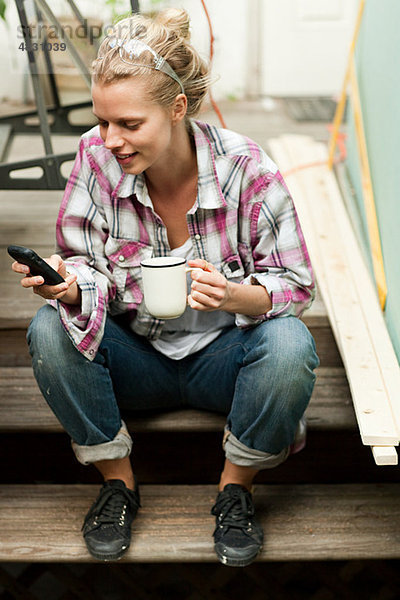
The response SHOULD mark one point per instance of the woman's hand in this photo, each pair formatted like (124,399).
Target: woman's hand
(210,289)
(68,291)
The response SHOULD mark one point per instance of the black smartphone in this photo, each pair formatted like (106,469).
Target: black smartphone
(37,265)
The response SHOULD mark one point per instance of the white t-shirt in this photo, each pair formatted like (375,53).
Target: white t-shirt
(193,330)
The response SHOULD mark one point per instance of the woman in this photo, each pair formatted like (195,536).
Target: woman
(149,180)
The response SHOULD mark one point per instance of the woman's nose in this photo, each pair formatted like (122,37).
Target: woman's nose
(113,138)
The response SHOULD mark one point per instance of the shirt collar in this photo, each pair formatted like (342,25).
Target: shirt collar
(209,192)
(133,184)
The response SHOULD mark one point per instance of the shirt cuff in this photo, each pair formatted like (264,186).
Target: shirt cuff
(281,298)
(84,323)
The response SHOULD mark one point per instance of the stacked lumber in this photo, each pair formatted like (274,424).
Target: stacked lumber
(348,292)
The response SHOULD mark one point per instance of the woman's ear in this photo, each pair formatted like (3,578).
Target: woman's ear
(179,108)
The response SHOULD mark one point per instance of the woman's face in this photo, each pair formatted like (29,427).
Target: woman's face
(136,130)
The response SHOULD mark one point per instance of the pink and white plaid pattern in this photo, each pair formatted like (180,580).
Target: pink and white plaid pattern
(243,222)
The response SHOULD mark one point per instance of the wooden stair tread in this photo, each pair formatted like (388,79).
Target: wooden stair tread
(14,348)
(42,523)
(18,306)
(23,409)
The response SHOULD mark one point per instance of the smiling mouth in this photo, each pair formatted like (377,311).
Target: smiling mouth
(123,156)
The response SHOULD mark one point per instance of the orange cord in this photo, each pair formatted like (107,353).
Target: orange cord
(213,103)
(341,136)
(320,163)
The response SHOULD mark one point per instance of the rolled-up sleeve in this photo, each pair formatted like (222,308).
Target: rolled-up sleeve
(281,260)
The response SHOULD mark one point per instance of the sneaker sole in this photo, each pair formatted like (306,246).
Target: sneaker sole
(237,562)
(108,557)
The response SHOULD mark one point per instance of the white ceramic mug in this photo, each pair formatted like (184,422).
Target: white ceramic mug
(164,286)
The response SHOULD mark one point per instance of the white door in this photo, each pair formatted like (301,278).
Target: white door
(304,46)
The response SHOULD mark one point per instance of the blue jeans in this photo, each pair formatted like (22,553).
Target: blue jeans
(261,378)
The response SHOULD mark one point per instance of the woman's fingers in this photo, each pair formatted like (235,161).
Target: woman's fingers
(58,264)
(51,292)
(36,282)
(19,267)
(55,292)
(200,263)
(200,301)
(32,281)
(211,291)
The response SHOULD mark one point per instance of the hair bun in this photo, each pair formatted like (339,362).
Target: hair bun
(175,19)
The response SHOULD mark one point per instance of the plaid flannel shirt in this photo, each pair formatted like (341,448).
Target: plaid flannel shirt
(243,221)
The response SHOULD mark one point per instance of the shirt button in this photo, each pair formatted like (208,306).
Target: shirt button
(197,236)
(121,258)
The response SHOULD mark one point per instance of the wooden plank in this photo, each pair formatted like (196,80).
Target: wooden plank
(280,153)
(23,409)
(28,218)
(373,316)
(385,455)
(14,348)
(301,522)
(18,306)
(29,208)
(327,247)
(366,293)
(384,355)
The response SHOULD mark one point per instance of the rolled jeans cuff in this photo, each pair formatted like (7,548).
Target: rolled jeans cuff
(119,447)
(243,456)
(239,454)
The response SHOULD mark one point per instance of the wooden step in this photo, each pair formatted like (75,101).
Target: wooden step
(14,349)
(301,522)
(23,409)
(18,305)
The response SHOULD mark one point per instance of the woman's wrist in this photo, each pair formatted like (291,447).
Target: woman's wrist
(248,300)
(73,295)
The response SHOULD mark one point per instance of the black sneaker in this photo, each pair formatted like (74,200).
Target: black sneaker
(238,537)
(107,526)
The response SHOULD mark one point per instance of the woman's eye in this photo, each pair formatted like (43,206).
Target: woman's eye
(129,126)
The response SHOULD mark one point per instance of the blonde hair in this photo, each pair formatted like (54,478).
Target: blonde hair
(168,34)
